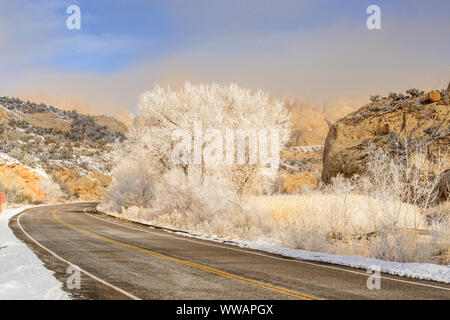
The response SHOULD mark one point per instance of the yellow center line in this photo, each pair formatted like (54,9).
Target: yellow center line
(187,263)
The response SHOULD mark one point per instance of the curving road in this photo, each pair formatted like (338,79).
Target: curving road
(123,260)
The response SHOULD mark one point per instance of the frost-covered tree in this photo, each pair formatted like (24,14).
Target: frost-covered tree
(202,117)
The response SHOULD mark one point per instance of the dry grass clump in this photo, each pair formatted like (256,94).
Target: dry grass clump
(352,224)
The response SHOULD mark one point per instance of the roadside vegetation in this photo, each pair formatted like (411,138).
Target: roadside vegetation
(14,195)
(391,212)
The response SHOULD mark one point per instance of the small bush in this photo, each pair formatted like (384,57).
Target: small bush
(51,189)
(15,195)
(413,92)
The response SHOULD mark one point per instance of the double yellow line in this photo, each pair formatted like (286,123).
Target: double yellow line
(187,263)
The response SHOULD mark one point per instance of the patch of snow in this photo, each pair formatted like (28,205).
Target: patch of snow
(306,148)
(5,159)
(22,274)
(11,112)
(40,172)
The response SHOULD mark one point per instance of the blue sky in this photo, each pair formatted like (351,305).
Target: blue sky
(143,29)
(150,29)
(291,48)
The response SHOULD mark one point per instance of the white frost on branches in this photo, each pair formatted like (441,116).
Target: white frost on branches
(145,158)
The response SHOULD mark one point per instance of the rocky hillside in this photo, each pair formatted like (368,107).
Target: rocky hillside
(396,123)
(40,142)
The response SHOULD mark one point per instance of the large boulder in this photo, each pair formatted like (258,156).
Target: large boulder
(434,96)
(443,188)
(384,123)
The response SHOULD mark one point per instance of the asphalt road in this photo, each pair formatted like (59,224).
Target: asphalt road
(123,260)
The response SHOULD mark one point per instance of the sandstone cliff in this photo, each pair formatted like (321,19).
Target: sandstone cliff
(23,178)
(389,123)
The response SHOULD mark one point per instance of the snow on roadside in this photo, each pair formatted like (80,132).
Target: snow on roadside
(22,274)
(423,271)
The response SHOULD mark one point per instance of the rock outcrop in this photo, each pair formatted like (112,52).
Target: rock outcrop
(434,96)
(384,123)
(23,178)
(443,188)
(3,115)
(86,186)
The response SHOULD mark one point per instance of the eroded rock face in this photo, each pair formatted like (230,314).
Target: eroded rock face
(26,180)
(86,186)
(383,123)
(443,188)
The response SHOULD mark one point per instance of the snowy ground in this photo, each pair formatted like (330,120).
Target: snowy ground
(424,271)
(22,274)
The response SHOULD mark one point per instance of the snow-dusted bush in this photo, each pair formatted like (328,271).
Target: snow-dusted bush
(402,246)
(409,176)
(16,153)
(131,184)
(16,195)
(29,160)
(398,191)
(51,189)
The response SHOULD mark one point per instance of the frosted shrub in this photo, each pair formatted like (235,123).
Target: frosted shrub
(29,161)
(405,177)
(402,246)
(15,195)
(131,185)
(51,189)
(397,191)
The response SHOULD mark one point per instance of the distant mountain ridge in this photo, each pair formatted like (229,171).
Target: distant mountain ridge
(69,122)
